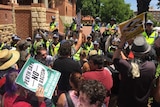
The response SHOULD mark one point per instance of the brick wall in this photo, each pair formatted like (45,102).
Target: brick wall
(5,14)
(23,23)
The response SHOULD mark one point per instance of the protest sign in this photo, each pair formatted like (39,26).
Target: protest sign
(132,27)
(79,20)
(34,74)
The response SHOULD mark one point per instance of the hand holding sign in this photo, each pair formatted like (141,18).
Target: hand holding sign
(40,94)
(132,27)
(35,74)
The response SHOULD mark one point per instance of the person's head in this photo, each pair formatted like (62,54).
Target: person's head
(89,38)
(113,21)
(97,19)
(75,80)
(8,58)
(83,54)
(10,85)
(96,45)
(96,62)
(53,18)
(140,47)
(42,52)
(149,25)
(65,48)
(22,45)
(38,37)
(92,94)
(55,38)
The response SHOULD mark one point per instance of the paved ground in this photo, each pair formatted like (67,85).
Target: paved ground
(87,30)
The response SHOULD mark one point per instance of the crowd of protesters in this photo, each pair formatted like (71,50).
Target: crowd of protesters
(106,72)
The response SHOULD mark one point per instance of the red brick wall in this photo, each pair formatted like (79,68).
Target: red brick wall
(65,8)
(5,14)
(50,13)
(23,23)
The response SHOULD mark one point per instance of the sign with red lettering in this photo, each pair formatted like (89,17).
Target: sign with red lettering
(34,74)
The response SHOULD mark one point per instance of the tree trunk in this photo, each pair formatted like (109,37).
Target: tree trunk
(143,6)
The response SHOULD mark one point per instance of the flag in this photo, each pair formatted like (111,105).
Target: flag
(132,27)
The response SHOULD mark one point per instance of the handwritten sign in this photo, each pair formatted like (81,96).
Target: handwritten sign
(34,74)
(132,27)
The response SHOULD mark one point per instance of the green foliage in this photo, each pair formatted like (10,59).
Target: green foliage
(150,17)
(106,9)
(117,9)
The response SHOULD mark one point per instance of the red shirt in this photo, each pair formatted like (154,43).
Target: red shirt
(102,75)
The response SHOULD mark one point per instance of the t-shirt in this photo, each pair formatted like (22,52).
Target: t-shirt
(65,66)
(134,92)
(102,75)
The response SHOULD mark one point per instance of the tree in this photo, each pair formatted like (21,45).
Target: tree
(143,6)
(117,9)
(158,4)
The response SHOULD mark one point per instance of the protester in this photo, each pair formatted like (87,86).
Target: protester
(136,75)
(43,57)
(97,72)
(74,80)
(66,65)
(92,94)
(22,47)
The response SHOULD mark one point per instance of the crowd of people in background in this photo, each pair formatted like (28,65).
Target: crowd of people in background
(97,70)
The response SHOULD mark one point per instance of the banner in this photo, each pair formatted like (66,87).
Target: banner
(132,27)
(78,20)
(34,74)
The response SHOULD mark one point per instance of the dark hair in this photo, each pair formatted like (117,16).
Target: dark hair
(75,78)
(97,60)
(10,86)
(65,48)
(94,90)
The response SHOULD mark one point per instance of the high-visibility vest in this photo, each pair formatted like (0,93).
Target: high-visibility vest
(158,70)
(74,27)
(96,27)
(53,25)
(111,28)
(100,52)
(1,46)
(76,56)
(56,48)
(88,48)
(150,38)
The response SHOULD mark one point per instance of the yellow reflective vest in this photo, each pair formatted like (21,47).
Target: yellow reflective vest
(150,38)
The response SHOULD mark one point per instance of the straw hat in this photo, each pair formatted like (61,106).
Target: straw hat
(8,58)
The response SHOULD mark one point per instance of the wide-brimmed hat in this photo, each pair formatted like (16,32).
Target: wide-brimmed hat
(140,46)
(8,58)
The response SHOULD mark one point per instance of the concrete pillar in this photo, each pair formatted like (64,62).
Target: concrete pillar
(35,1)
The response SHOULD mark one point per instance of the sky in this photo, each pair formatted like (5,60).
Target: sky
(134,4)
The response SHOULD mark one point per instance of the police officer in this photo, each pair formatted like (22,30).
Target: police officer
(111,27)
(73,27)
(150,34)
(54,25)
